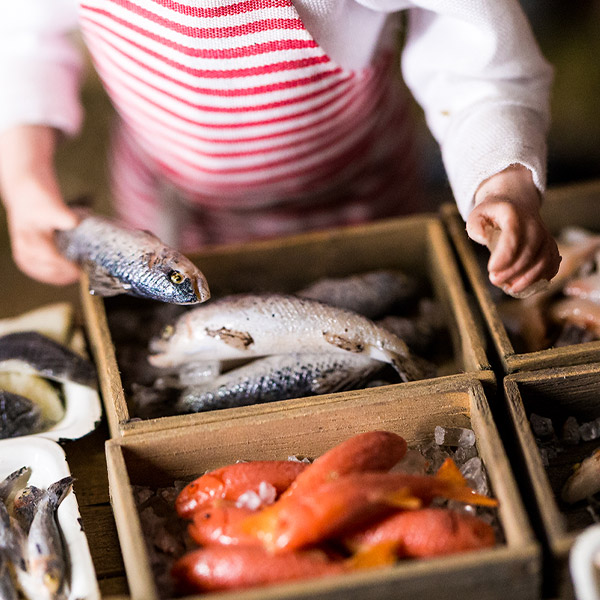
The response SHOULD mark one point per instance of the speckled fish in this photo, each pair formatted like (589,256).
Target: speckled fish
(47,564)
(24,505)
(247,325)
(122,260)
(280,377)
(18,415)
(30,351)
(371,294)
(10,552)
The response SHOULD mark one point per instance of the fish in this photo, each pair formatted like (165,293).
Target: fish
(371,294)
(585,314)
(10,536)
(247,325)
(217,568)
(18,415)
(122,260)
(279,377)
(43,393)
(586,288)
(426,532)
(33,352)
(333,508)
(372,451)
(24,505)
(584,481)
(53,320)
(219,523)
(47,565)
(231,481)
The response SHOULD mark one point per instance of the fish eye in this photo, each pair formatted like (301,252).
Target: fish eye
(176,277)
(167,332)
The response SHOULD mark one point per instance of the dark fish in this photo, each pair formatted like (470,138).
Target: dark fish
(122,260)
(280,377)
(371,294)
(18,415)
(25,504)
(10,538)
(46,357)
(46,576)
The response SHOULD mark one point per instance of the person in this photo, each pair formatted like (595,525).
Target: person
(243,119)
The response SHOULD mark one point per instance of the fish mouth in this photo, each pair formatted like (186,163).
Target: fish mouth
(201,290)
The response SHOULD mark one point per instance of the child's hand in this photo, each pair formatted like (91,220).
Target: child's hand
(506,219)
(34,205)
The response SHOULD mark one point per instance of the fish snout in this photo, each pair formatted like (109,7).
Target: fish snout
(201,288)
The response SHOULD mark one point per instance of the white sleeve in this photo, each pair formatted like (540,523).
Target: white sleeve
(40,66)
(476,69)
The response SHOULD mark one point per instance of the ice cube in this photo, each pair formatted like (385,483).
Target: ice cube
(541,426)
(454,436)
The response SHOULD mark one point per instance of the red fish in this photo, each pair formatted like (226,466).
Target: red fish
(229,568)
(219,523)
(370,451)
(351,501)
(427,532)
(232,481)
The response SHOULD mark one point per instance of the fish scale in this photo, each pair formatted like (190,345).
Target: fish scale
(246,325)
(120,259)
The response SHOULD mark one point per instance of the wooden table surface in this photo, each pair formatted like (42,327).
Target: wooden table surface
(87,462)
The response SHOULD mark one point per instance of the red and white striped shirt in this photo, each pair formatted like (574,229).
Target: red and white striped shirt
(272,115)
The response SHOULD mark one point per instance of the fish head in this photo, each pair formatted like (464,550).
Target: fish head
(175,279)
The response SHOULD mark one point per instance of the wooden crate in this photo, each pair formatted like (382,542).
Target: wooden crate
(576,205)
(556,394)
(307,429)
(417,245)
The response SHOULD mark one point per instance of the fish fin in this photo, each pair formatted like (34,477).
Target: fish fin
(378,555)
(458,489)
(102,283)
(403,499)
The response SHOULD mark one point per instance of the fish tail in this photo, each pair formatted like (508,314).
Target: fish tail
(404,499)
(457,487)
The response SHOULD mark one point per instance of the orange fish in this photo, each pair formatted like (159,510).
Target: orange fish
(219,523)
(232,481)
(228,568)
(426,532)
(335,507)
(370,451)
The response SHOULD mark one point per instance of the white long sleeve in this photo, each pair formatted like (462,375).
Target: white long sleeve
(478,73)
(40,66)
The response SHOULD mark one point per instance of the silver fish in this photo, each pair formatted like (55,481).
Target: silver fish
(246,325)
(10,539)
(371,294)
(46,576)
(34,352)
(25,504)
(280,377)
(122,260)
(18,415)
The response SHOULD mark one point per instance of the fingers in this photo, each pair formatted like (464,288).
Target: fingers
(544,265)
(36,255)
(522,249)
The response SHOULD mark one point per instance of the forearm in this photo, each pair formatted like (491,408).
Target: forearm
(26,161)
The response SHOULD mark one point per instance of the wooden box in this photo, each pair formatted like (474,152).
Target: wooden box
(417,245)
(555,394)
(306,429)
(576,205)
